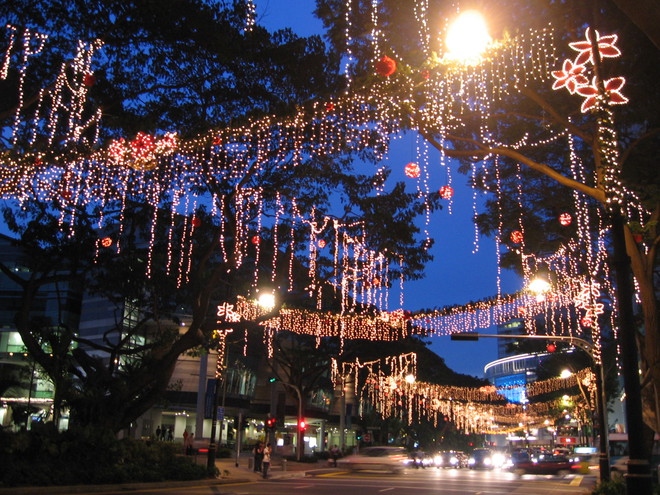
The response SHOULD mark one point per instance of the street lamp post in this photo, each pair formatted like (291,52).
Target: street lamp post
(601,401)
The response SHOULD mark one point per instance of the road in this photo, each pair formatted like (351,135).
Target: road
(423,481)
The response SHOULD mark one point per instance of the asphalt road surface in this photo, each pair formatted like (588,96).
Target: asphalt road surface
(423,481)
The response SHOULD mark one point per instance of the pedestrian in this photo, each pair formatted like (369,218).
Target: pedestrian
(162,432)
(265,463)
(158,433)
(258,456)
(189,447)
(334,454)
(170,434)
(185,440)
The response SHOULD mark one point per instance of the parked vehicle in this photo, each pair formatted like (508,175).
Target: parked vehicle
(546,464)
(392,459)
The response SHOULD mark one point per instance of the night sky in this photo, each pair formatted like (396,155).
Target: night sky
(457,275)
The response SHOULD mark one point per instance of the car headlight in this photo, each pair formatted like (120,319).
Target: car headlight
(488,461)
(438,460)
(453,461)
(498,460)
(471,462)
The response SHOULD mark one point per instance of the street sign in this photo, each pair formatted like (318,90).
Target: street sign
(221,413)
(366,438)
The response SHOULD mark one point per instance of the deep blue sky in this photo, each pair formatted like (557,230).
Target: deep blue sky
(456,275)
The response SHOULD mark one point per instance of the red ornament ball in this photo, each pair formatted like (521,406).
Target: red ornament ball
(66,195)
(386,66)
(637,238)
(425,74)
(586,321)
(196,222)
(551,347)
(256,240)
(516,237)
(321,243)
(106,242)
(446,192)
(565,219)
(412,170)
(89,80)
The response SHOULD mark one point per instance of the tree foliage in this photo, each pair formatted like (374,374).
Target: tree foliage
(184,66)
(533,180)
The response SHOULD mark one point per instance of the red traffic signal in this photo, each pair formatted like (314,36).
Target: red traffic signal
(270,422)
(302,425)
(551,347)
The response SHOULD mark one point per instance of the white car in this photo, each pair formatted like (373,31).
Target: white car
(392,459)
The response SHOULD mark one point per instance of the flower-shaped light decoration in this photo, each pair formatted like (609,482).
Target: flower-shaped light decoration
(606,47)
(569,77)
(612,90)
(572,75)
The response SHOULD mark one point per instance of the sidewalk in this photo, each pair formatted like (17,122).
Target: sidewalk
(229,473)
(279,468)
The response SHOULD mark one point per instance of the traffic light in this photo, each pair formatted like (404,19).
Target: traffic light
(551,347)
(359,435)
(272,379)
(270,423)
(302,425)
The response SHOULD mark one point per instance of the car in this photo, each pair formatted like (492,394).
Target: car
(451,459)
(481,459)
(544,464)
(392,459)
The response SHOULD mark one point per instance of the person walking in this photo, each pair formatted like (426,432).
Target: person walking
(158,433)
(334,454)
(265,463)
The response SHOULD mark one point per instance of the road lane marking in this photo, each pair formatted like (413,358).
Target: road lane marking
(300,487)
(387,489)
(577,480)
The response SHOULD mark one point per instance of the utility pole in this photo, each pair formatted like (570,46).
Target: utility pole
(601,401)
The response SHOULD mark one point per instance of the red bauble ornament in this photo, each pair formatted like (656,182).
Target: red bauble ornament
(386,66)
(321,243)
(66,195)
(516,237)
(256,240)
(551,347)
(196,222)
(106,242)
(426,74)
(565,219)
(637,238)
(446,192)
(89,80)
(412,170)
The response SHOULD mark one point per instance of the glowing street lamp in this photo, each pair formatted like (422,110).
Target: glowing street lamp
(266,300)
(539,286)
(467,38)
